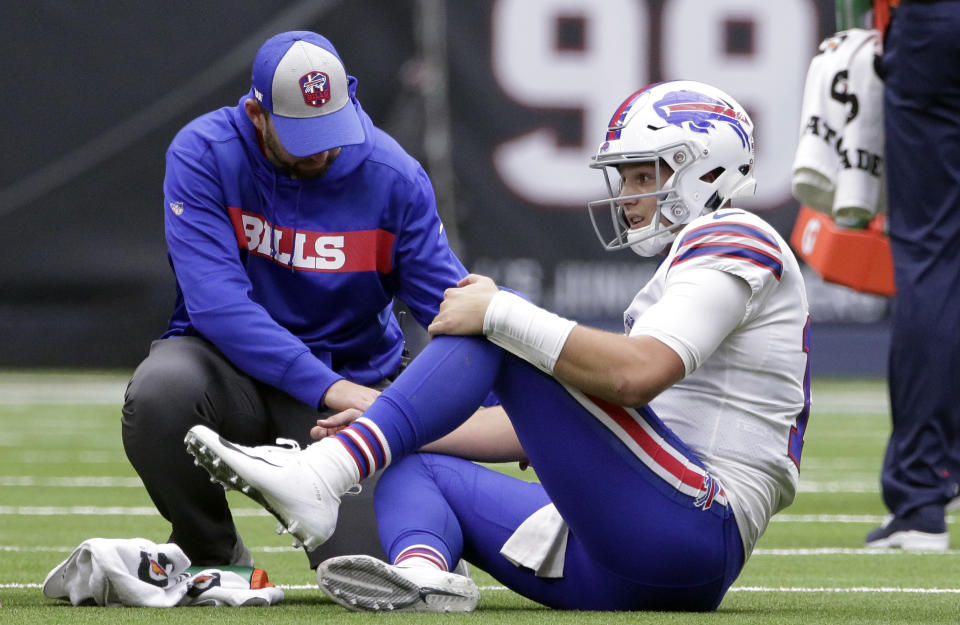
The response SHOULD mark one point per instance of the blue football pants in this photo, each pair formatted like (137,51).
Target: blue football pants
(636,541)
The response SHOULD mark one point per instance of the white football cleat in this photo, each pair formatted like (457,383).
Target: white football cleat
(277,478)
(365,584)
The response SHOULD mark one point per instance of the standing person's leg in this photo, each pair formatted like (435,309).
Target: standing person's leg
(183,382)
(921,468)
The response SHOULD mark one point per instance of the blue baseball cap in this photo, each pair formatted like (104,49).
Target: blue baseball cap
(299,78)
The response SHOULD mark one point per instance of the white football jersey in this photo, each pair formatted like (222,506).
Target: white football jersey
(742,408)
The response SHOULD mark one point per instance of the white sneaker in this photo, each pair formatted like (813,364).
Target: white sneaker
(275,477)
(899,534)
(365,584)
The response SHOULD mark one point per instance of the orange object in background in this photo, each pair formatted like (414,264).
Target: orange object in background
(859,259)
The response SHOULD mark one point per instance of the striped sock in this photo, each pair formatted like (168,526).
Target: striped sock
(366,445)
(421,556)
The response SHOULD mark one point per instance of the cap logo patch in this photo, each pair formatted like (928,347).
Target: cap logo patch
(315,87)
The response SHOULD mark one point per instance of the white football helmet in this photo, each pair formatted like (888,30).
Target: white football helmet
(702,133)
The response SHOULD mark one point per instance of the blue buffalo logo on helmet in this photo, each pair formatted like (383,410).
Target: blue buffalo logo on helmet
(316,88)
(699,112)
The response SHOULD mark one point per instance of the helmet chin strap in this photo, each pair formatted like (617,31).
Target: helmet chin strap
(649,240)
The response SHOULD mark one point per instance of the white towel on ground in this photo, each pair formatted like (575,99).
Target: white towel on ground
(138,572)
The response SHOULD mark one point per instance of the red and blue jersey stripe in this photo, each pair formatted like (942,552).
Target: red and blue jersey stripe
(733,240)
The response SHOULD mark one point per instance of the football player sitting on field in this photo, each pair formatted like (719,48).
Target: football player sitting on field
(662,452)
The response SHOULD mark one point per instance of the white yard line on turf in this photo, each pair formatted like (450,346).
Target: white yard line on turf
(849,486)
(32,388)
(829,518)
(847,551)
(817,551)
(767,589)
(90,481)
(35,456)
(254,512)
(851,402)
(105,511)
(854,589)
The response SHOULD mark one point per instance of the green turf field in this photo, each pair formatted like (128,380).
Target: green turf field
(64,478)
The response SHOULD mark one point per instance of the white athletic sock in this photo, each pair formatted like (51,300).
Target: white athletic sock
(331,460)
(417,562)
(421,556)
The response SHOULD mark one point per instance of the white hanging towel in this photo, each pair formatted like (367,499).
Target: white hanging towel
(839,160)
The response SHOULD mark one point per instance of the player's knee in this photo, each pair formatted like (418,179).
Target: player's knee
(422,471)
(400,475)
(402,470)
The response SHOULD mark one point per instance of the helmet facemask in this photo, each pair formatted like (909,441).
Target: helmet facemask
(704,137)
(668,217)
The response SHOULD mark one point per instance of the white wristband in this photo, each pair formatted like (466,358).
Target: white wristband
(526,330)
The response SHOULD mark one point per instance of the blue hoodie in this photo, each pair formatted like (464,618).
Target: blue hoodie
(293,280)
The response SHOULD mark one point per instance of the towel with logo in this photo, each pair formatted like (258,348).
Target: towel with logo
(137,572)
(839,161)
